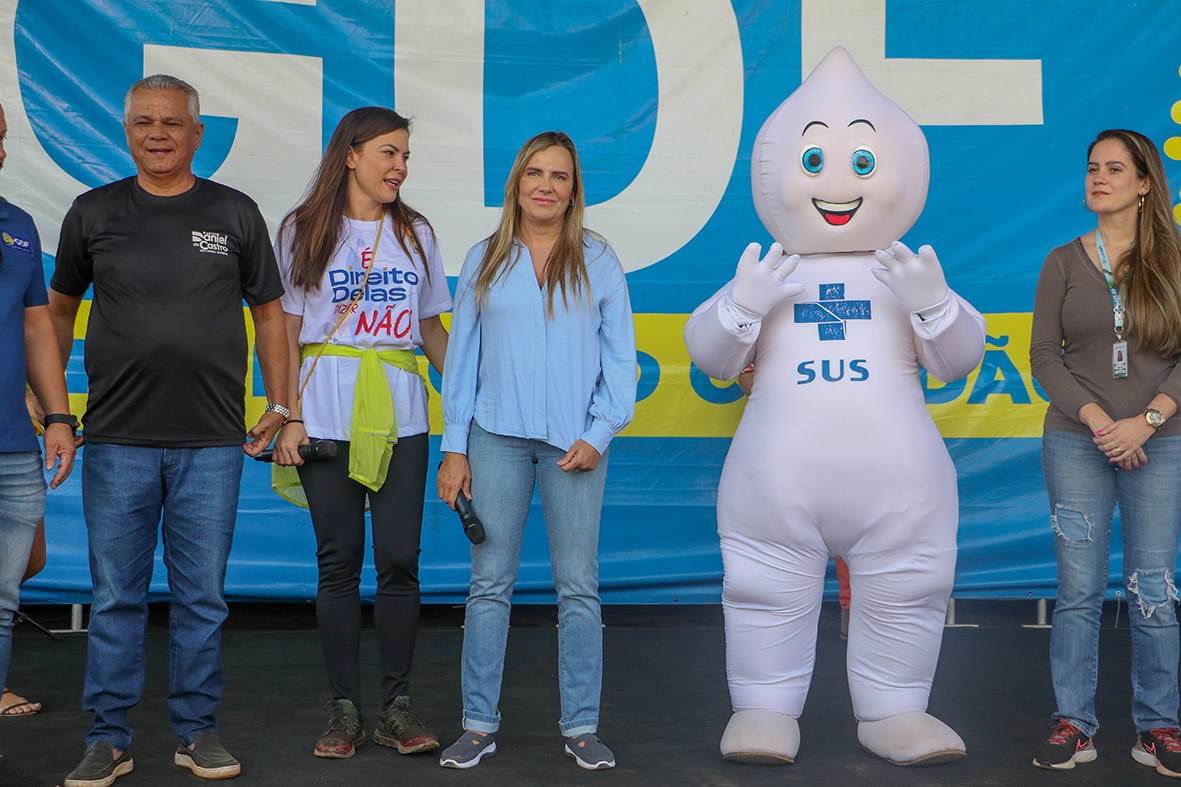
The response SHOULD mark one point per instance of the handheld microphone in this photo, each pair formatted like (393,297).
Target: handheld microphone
(473,528)
(317,449)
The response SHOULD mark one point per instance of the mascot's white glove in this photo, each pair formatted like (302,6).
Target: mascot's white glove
(760,285)
(917,281)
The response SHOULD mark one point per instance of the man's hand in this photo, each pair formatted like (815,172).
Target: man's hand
(581,456)
(915,279)
(59,450)
(760,285)
(262,433)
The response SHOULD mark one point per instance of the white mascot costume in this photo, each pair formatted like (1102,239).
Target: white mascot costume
(836,454)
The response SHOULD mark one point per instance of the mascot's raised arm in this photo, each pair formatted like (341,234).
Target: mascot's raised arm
(836,454)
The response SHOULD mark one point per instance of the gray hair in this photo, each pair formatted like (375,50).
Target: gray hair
(165,82)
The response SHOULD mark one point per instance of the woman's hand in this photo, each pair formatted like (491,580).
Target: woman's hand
(1121,441)
(287,445)
(746,380)
(1130,460)
(455,476)
(581,456)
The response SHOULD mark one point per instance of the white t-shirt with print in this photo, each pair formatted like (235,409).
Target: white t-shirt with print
(398,294)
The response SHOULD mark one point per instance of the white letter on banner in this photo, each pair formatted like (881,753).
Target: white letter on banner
(933,92)
(439,82)
(278,102)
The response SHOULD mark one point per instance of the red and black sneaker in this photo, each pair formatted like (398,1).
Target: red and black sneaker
(1065,746)
(1161,749)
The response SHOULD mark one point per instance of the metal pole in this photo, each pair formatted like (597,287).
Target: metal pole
(76,617)
(1042,616)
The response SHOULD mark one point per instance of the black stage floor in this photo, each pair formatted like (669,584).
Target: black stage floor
(665,704)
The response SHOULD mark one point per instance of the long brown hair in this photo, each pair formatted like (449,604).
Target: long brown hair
(317,220)
(566,267)
(1151,276)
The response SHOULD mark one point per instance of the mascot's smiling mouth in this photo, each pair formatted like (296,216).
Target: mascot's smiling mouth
(837,213)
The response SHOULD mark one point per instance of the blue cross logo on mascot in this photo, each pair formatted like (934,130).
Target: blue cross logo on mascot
(852,466)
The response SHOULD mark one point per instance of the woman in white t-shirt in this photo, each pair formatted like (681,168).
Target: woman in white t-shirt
(364,287)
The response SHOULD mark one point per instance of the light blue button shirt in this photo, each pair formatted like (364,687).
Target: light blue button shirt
(520,373)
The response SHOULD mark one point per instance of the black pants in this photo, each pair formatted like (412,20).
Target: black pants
(337,505)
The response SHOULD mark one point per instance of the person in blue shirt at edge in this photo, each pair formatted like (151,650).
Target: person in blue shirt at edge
(540,375)
(29,353)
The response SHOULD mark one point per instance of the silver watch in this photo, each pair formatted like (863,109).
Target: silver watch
(277,408)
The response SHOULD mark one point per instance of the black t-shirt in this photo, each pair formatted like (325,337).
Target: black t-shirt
(166,348)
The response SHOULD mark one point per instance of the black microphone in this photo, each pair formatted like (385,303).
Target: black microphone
(473,528)
(310,452)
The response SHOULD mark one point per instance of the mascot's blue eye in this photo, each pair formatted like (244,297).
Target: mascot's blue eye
(864,162)
(813,160)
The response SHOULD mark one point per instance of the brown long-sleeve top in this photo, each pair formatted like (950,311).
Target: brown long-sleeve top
(1070,350)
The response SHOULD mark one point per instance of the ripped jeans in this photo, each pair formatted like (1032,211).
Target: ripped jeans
(1084,490)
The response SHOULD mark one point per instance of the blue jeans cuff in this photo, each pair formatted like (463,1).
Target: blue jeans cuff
(477,722)
(1084,727)
(579,727)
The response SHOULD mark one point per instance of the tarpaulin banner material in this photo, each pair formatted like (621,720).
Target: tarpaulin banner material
(663,98)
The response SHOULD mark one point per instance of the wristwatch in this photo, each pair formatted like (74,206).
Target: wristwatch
(277,408)
(69,419)
(1154,418)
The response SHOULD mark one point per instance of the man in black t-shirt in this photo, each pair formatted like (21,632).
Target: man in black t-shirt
(171,258)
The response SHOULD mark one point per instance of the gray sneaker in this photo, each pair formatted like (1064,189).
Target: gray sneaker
(208,758)
(468,750)
(589,752)
(99,766)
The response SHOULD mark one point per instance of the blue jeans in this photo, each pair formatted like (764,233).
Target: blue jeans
(22,504)
(504,470)
(125,489)
(1084,490)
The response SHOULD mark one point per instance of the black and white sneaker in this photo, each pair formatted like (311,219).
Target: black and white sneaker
(468,750)
(589,752)
(1160,749)
(1065,746)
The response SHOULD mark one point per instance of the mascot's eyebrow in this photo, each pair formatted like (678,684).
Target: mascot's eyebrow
(862,120)
(818,123)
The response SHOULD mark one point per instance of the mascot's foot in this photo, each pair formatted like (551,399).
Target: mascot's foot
(761,737)
(912,738)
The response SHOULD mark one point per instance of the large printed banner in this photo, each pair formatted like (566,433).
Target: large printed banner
(664,98)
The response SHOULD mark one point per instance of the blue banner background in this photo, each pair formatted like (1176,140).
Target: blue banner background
(1000,197)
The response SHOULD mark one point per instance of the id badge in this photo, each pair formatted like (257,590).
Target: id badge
(1119,359)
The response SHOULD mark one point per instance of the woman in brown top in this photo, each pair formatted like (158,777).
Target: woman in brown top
(1106,338)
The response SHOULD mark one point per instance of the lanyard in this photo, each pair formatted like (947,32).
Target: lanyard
(349,310)
(1117,305)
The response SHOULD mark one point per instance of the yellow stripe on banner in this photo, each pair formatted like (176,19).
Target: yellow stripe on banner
(998,399)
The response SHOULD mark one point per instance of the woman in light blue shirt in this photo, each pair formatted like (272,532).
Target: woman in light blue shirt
(540,375)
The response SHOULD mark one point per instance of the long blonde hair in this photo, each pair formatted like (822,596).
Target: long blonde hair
(1151,275)
(566,267)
